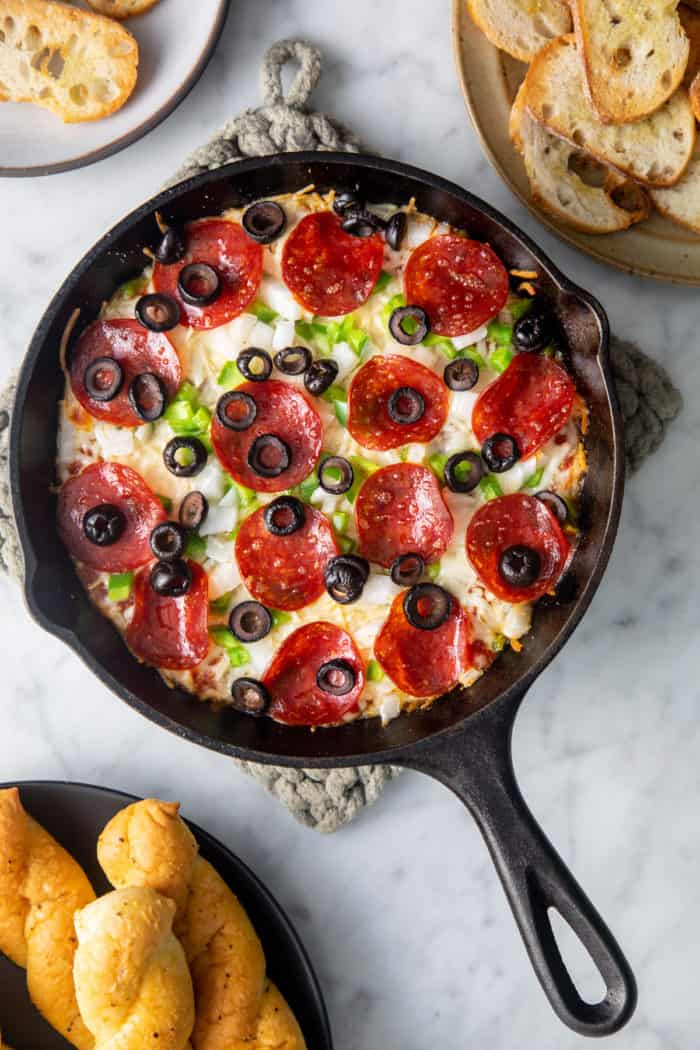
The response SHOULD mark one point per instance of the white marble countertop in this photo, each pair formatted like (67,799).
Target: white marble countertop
(402,912)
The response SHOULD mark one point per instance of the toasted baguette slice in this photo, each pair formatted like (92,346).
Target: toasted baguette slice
(521,27)
(79,65)
(575,189)
(122,8)
(690,21)
(654,151)
(634,55)
(681,203)
(695,97)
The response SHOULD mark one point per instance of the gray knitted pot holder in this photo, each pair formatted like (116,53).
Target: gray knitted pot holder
(325,800)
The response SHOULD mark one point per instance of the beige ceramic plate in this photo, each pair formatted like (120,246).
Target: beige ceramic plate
(655,248)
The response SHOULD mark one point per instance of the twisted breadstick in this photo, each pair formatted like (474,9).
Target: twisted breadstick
(41,887)
(148,844)
(131,977)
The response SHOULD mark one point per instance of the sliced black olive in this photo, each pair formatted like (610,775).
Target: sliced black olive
(319,376)
(171,247)
(345,577)
(519,565)
(419,327)
(407,569)
(264,221)
(236,410)
(250,621)
(184,456)
(284,515)
(158,313)
(396,230)
(336,465)
(293,360)
(147,396)
(198,283)
(103,378)
(171,579)
(535,330)
(427,606)
(336,677)
(269,456)
(193,510)
(555,503)
(499,452)
(346,200)
(464,471)
(461,374)
(254,364)
(359,222)
(103,525)
(250,696)
(168,541)
(406,405)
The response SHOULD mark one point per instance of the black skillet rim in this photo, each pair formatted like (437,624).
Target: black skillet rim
(514,693)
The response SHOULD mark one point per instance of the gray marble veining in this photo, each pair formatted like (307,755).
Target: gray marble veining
(401,912)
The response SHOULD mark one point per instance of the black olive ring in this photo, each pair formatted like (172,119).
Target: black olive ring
(345,577)
(343,202)
(555,503)
(254,364)
(198,283)
(103,379)
(168,541)
(293,360)
(343,483)
(243,403)
(148,396)
(406,405)
(461,374)
(519,565)
(249,696)
(359,222)
(193,510)
(396,230)
(171,247)
(292,512)
(320,375)
(104,525)
(260,460)
(459,481)
(336,677)
(407,569)
(439,603)
(197,451)
(400,315)
(157,312)
(171,579)
(500,452)
(250,621)
(264,221)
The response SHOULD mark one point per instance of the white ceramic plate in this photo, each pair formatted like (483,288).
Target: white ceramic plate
(176,39)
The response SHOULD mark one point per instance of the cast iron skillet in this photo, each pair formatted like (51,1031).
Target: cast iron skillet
(463,740)
(76,814)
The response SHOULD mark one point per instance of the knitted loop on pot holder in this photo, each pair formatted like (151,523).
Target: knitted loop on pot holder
(327,799)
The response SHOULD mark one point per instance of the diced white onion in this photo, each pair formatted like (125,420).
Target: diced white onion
(284,335)
(416,233)
(278,297)
(345,358)
(220,550)
(225,577)
(261,335)
(389,707)
(517,621)
(114,441)
(225,341)
(461,342)
(230,499)
(379,590)
(210,481)
(219,519)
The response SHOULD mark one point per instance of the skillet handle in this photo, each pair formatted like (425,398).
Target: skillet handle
(476,764)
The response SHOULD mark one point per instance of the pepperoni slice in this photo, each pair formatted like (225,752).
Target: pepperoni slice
(137,350)
(420,662)
(459,283)
(170,632)
(531,401)
(296,698)
(285,572)
(400,510)
(369,420)
(328,271)
(237,260)
(284,412)
(123,488)
(513,520)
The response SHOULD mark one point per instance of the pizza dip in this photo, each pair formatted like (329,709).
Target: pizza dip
(319,459)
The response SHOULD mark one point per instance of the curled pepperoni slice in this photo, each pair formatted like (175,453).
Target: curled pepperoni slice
(372,396)
(285,572)
(400,510)
(328,271)
(170,632)
(421,662)
(459,283)
(237,260)
(283,412)
(137,350)
(530,402)
(291,679)
(123,488)
(516,520)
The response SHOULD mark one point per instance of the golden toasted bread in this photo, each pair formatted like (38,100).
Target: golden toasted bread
(691,26)
(681,203)
(122,8)
(654,151)
(694,92)
(520,27)
(79,65)
(634,55)
(571,186)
